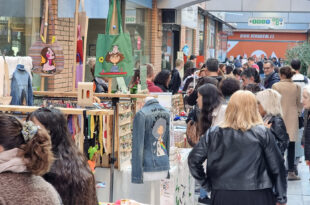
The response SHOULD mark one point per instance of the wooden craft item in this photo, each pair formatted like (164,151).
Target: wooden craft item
(85,94)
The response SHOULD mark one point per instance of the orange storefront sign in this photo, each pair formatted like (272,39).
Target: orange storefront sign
(262,43)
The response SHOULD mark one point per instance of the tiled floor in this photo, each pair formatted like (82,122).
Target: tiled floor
(299,191)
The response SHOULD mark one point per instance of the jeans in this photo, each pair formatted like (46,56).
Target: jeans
(291,156)
(203,193)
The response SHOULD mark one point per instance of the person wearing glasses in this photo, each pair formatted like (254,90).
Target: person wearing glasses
(271,77)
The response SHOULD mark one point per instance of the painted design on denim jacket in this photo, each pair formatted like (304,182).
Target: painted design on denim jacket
(158,132)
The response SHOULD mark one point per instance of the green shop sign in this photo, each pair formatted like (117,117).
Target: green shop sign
(266,21)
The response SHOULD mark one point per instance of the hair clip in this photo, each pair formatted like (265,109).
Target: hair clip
(29,130)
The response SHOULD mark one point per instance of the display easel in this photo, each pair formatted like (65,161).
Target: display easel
(45,37)
(78,18)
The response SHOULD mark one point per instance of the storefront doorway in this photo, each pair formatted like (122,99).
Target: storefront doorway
(170,45)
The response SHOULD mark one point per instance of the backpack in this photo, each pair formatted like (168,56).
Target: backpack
(305,80)
(192,127)
(301,118)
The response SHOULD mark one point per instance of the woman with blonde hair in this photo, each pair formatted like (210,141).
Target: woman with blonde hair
(269,106)
(291,107)
(243,163)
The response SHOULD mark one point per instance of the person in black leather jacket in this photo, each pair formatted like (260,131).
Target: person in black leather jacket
(269,104)
(244,164)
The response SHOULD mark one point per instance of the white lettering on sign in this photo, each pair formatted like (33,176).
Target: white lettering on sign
(263,36)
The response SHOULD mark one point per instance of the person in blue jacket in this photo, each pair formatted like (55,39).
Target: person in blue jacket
(271,77)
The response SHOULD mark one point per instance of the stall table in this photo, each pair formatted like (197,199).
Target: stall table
(178,190)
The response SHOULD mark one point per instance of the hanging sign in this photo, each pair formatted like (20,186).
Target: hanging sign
(266,21)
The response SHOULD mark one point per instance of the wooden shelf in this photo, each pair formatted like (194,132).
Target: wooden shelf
(55,94)
(104,95)
(66,111)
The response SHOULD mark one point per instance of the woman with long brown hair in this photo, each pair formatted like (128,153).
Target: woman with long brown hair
(244,165)
(25,155)
(70,174)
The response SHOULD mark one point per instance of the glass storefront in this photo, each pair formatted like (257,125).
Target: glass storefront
(211,39)
(95,27)
(201,35)
(170,45)
(138,25)
(18,30)
(189,40)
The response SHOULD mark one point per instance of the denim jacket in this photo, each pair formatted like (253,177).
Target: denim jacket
(21,87)
(151,140)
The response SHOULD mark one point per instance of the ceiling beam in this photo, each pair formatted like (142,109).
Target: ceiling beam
(259,6)
(177,4)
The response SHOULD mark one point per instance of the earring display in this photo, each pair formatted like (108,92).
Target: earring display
(125,134)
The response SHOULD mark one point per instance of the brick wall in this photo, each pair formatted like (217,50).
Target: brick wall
(64,30)
(182,37)
(156,37)
(205,46)
(195,42)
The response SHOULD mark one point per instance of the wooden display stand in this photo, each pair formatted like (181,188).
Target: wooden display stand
(118,121)
(80,18)
(65,111)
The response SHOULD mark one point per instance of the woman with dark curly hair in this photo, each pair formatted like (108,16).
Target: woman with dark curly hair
(70,174)
(162,80)
(25,155)
(228,87)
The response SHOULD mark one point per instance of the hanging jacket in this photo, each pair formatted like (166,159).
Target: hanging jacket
(150,141)
(21,87)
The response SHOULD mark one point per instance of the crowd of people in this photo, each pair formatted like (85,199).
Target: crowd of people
(251,129)
(249,119)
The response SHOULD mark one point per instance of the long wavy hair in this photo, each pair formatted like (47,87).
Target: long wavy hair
(70,173)
(212,98)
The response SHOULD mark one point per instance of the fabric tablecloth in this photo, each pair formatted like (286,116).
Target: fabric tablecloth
(178,190)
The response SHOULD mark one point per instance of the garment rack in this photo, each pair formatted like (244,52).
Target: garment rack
(115,100)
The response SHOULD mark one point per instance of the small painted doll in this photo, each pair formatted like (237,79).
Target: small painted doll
(48,60)
(114,57)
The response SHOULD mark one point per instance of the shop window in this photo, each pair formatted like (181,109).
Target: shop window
(18,30)
(138,26)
